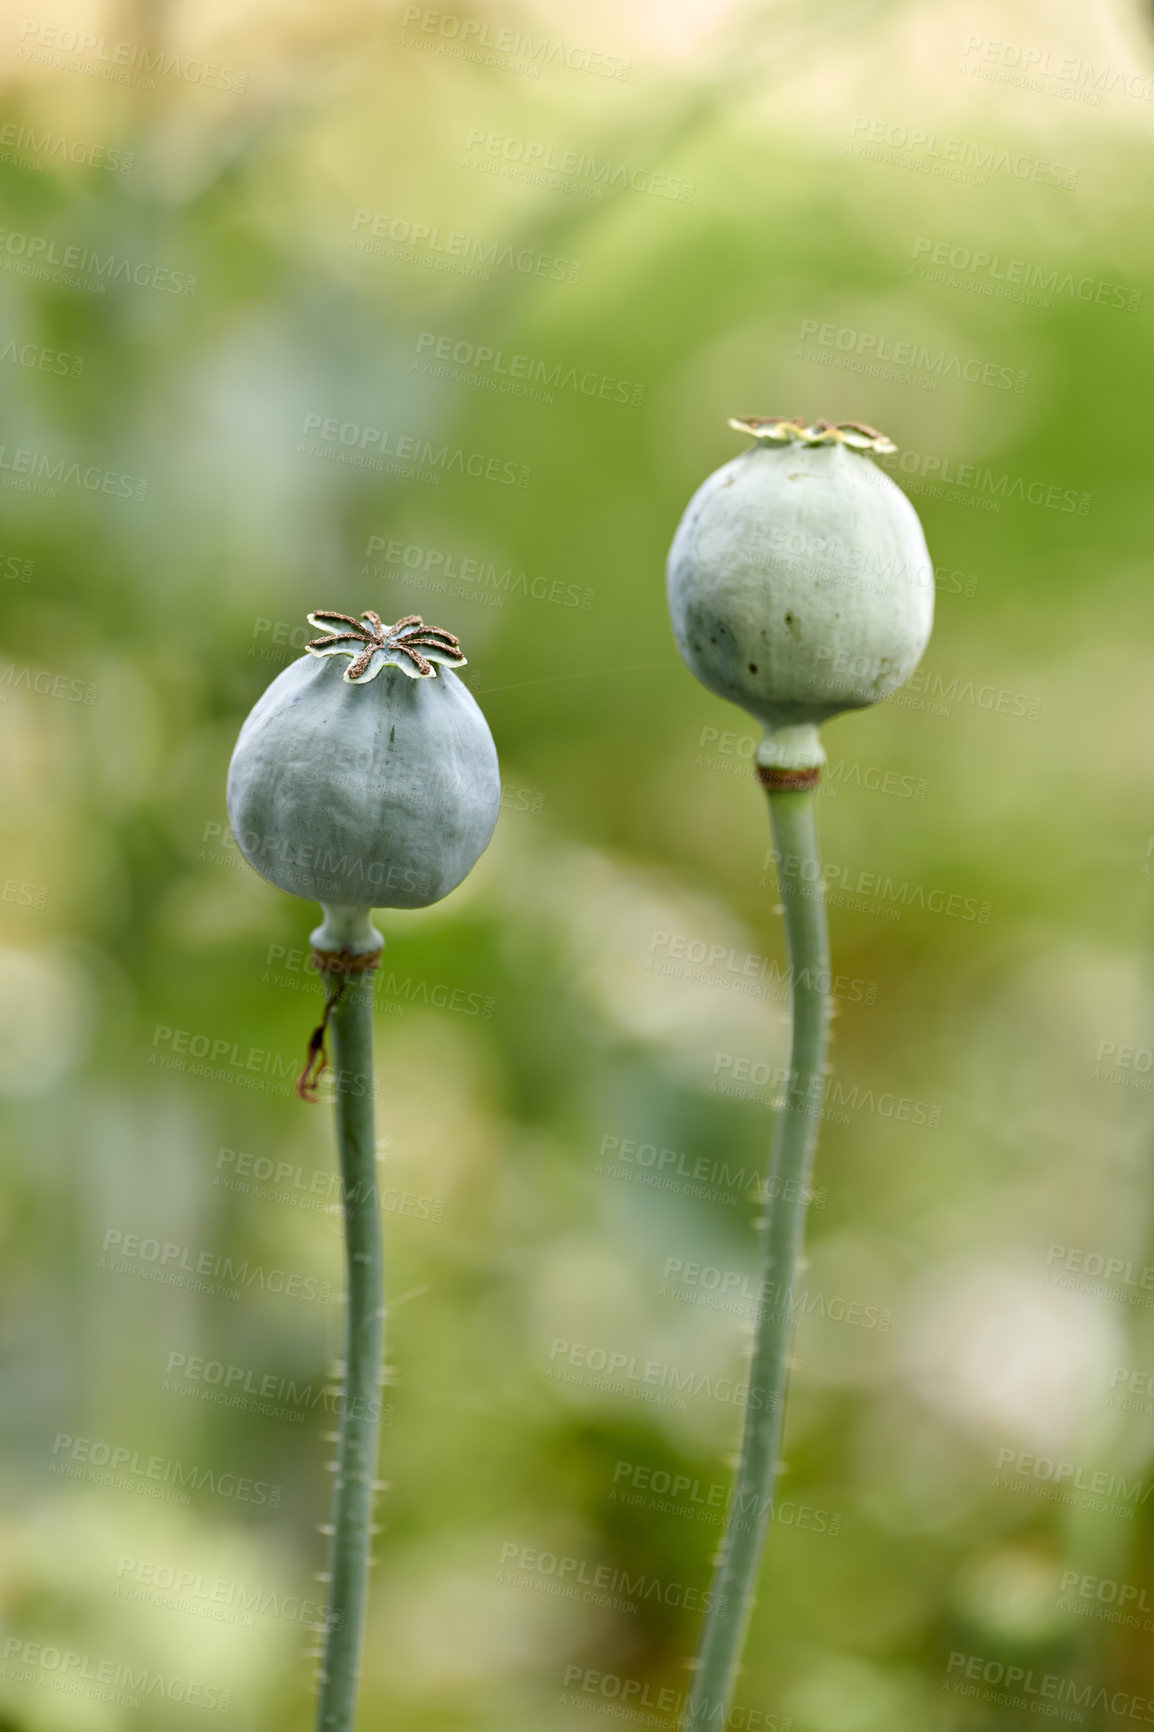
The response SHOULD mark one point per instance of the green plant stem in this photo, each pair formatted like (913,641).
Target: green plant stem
(793,820)
(350,1543)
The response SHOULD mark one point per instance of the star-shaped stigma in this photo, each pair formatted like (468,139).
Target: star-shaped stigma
(410,645)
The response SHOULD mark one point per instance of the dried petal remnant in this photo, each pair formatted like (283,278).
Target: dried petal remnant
(779,430)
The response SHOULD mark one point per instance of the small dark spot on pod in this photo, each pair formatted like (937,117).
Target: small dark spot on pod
(392,733)
(753,667)
(789,619)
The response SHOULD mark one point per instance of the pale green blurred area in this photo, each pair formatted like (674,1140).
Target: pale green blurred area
(628,836)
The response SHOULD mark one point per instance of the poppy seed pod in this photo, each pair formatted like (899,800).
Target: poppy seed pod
(799,582)
(377,798)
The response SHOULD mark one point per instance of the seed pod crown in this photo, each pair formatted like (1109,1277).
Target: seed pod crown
(382,797)
(799,581)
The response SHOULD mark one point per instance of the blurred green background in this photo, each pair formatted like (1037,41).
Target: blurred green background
(223,230)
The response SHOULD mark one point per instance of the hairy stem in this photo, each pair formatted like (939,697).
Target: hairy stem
(350,1544)
(793,820)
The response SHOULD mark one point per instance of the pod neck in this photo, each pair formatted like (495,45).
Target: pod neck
(790,750)
(346,927)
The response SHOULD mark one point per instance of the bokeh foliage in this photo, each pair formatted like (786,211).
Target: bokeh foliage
(630,837)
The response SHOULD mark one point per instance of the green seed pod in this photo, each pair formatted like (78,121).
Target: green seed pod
(358,799)
(799,582)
